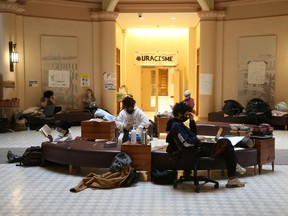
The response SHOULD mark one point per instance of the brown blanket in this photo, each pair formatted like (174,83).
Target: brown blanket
(105,181)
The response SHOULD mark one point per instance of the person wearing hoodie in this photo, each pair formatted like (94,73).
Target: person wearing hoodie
(184,145)
(130,116)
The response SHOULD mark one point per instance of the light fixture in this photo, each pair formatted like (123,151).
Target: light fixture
(13,55)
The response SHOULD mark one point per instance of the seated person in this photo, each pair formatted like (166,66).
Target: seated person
(188,100)
(89,99)
(64,134)
(129,117)
(192,147)
(48,99)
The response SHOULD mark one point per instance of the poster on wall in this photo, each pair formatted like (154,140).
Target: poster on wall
(256,73)
(84,80)
(33,83)
(60,69)
(59,78)
(109,81)
(206,84)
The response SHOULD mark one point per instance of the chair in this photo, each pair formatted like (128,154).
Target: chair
(185,159)
(195,178)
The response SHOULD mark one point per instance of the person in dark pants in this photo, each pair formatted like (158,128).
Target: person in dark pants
(185,145)
(48,99)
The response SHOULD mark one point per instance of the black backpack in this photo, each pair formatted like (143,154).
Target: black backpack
(32,157)
(257,106)
(132,178)
(232,107)
(164,177)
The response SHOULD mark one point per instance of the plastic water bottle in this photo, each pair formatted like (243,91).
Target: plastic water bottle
(133,136)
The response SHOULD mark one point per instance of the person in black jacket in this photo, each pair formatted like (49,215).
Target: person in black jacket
(184,144)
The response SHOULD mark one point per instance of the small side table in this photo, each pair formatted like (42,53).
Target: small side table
(161,124)
(91,130)
(265,151)
(140,155)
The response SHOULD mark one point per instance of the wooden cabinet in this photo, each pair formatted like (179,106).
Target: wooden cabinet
(140,155)
(265,152)
(161,123)
(91,130)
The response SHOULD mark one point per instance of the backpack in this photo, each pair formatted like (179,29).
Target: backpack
(256,107)
(163,177)
(132,178)
(32,157)
(232,107)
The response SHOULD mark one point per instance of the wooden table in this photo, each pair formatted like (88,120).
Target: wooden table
(91,130)
(160,123)
(265,151)
(140,155)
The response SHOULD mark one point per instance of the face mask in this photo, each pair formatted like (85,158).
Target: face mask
(130,111)
(183,118)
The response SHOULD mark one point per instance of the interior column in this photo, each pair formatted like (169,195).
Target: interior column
(104,35)
(209,37)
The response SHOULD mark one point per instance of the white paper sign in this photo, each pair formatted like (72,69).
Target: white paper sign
(206,84)
(59,78)
(256,72)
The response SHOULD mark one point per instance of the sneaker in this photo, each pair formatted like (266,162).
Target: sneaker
(12,158)
(234,183)
(240,169)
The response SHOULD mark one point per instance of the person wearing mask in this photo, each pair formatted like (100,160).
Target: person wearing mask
(130,116)
(191,145)
(188,100)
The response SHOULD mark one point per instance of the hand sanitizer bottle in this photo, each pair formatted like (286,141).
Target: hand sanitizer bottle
(133,136)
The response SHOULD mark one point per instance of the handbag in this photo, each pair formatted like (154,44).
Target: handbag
(220,146)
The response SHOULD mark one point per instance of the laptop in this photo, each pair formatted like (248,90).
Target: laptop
(213,139)
(48,110)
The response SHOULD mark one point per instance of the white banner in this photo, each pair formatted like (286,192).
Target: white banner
(156,58)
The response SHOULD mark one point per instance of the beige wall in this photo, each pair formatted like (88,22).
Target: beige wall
(237,23)
(254,27)
(33,29)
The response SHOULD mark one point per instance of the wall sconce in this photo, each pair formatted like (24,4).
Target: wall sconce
(13,55)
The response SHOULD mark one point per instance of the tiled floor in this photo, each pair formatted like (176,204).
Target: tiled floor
(45,190)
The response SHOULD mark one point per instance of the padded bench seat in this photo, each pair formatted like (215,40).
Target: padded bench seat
(246,157)
(79,153)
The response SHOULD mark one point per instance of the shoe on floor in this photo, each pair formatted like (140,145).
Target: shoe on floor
(12,158)
(240,169)
(234,183)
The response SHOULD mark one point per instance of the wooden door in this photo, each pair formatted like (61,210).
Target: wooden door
(154,83)
(146,89)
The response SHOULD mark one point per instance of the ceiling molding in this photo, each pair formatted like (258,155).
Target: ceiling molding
(153,8)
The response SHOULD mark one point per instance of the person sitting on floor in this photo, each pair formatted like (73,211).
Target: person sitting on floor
(192,147)
(63,135)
